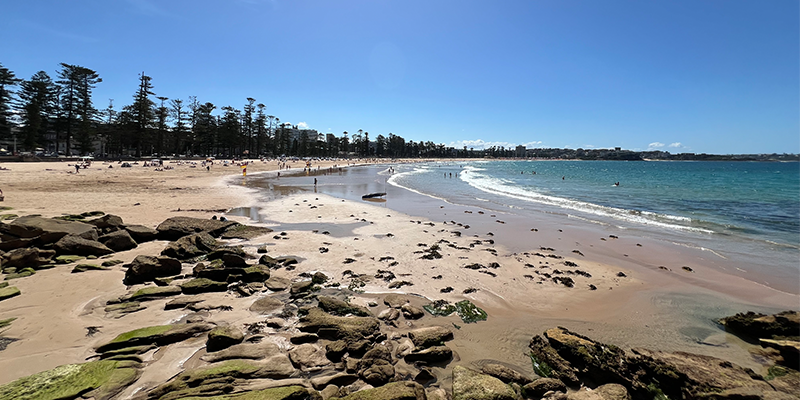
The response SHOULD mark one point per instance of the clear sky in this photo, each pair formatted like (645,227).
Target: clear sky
(682,76)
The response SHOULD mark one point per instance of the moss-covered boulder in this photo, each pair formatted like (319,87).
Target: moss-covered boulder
(223,337)
(324,324)
(98,379)
(217,380)
(9,292)
(22,273)
(470,385)
(69,259)
(391,391)
(111,263)
(203,285)
(159,335)
(150,293)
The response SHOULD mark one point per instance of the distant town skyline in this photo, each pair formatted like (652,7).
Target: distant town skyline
(685,76)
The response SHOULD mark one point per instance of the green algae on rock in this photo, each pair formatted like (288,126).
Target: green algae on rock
(98,379)
(160,335)
(9,292)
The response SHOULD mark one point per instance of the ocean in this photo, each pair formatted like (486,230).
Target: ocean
(744,211)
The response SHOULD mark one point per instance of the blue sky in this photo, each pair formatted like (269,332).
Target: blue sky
(681,76)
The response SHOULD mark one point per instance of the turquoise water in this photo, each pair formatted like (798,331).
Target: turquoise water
(743,210)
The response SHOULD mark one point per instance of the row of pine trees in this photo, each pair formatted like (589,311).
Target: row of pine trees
(60,115)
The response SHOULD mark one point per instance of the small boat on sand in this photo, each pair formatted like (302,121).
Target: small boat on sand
(373,195)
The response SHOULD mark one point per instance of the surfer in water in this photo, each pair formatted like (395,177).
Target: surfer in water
(616,184)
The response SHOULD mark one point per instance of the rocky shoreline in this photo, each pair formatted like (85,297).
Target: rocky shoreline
(301,335)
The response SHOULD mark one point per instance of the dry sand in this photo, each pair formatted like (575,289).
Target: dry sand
(57,307)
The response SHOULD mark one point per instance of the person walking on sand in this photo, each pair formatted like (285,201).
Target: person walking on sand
(315,181)
(77,168)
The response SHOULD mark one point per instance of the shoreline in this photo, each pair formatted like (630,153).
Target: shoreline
(640,310)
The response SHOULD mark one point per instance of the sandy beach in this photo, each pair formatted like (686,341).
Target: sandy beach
(620,295)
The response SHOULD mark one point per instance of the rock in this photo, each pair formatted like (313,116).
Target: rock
(354,328)
(391,391)
(470,385)
(120,310)
(68,259)
(231,256)
(88,267)
(102,379)
(411,311)
(71,244)
(395,300)
(248,351)
(431,354)
(319,278)
(46,230)
(389,314)
(789,349)
(335,350)
(183,302)
(539,387)
(190,246)
(505,374)
(337,379)
(341,308)
(217,380)
(430,336)
(145,268)
(567,354)
(304,338)
(245,232)
(203,285)
(609,391)
(9,292)
(176,227)
(107,223)
(26,258)
(376,366)
(299,288)
(159,335)
(266,305)
(275,323)
(151,293)
(308,356)
(23,273)
(754,325)
(277,284)
(141,234)
(223,337)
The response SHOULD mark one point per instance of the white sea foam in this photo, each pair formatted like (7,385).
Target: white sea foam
(506,188)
